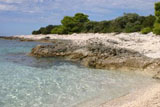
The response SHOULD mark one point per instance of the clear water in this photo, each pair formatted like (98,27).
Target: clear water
(49,82)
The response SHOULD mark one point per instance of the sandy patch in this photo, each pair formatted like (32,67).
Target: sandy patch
(145,97)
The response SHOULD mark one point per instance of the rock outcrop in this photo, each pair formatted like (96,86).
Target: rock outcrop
(97,55)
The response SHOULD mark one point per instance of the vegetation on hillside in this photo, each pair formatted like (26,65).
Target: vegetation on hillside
(129,22)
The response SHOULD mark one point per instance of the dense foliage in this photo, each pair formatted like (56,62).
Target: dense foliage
(45,30)
(156,29)
(129,22)
(146,30)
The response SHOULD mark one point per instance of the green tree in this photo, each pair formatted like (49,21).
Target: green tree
(49,28)
(149,21)
(43,30)
(157,11)
(36,32)
(74,24)
(59,30)
(156,29)
(79,23)
(129,22)
(132,27)
(81,18)
(69,23)
(88,27)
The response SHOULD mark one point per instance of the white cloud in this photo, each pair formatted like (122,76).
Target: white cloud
(26,6)
(56,9)
(12,1)
(20,1)
(5,7)
(89,5)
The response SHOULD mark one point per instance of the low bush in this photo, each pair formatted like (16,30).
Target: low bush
(146,30)
(156,29)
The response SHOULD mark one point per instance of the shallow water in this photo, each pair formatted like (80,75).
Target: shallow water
(50,82)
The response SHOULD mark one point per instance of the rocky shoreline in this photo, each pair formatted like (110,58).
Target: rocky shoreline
(100,52)
(99,56)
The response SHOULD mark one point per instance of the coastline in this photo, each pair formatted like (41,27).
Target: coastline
(126,52)
(144,42)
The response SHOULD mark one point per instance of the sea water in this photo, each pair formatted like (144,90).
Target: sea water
(27,81)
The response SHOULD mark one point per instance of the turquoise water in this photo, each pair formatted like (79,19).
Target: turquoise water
(50,82)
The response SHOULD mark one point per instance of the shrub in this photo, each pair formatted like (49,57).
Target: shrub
(59,30)
(149,21)
(146,30)
(132,27)
(36,32)
(49,28)
(156,29)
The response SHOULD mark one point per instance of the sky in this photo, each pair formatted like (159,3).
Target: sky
(21,17)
